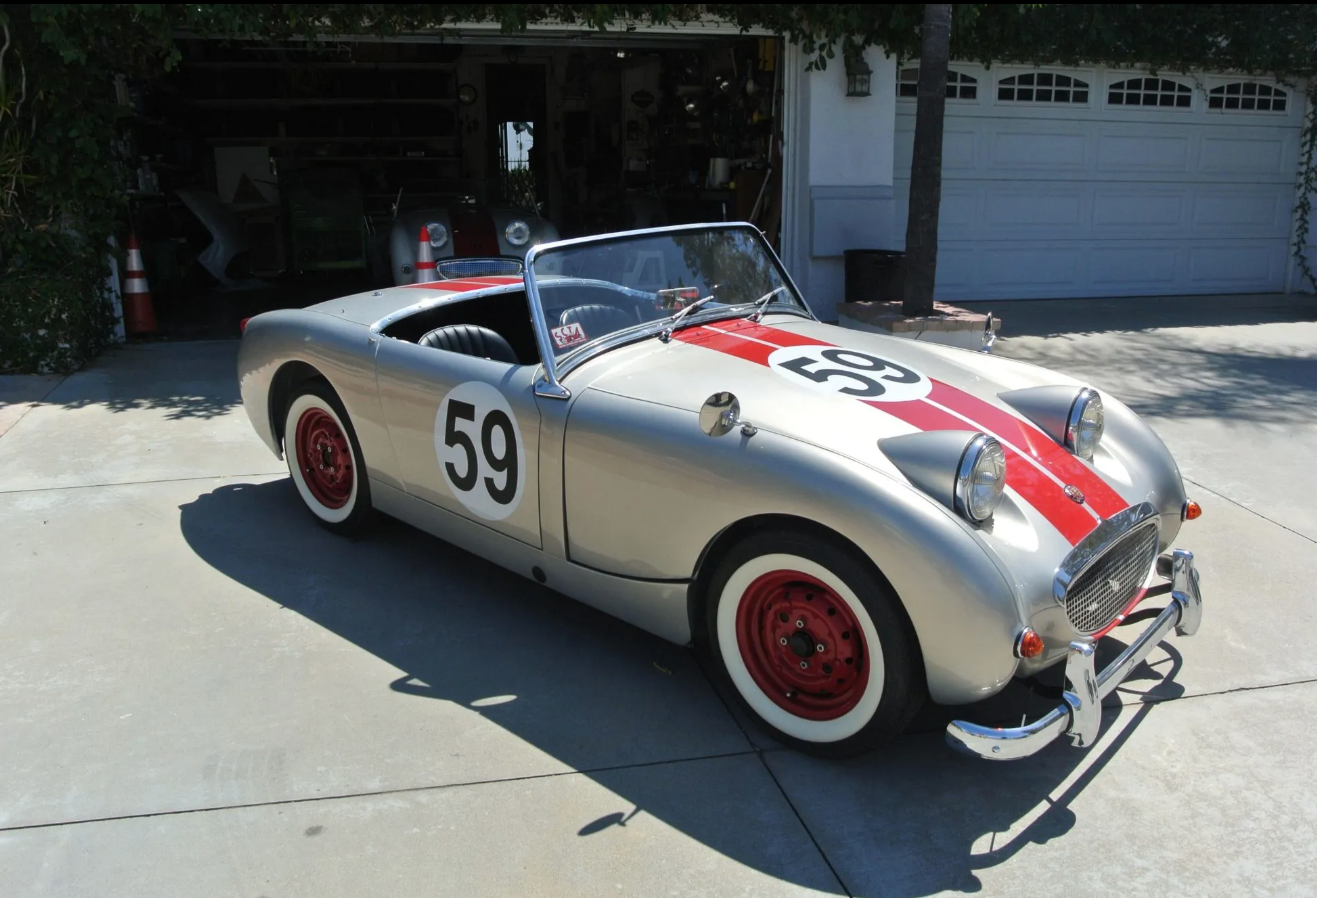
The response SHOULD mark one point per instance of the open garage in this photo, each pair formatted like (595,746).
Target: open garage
(278,174)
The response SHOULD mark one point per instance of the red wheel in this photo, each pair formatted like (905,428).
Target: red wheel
(813,642)
(802,645)
(324,459)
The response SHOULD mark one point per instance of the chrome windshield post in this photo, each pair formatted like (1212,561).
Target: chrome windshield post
(547,385)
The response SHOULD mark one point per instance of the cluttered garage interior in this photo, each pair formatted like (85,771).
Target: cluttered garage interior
(274,175)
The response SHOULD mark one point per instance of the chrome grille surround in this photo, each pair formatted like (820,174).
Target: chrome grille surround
(1105,571)
(1103,591)
(450,269)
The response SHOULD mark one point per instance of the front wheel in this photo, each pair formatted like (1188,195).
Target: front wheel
(813,643)
(325,461)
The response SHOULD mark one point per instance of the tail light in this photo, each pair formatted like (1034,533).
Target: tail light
(242,325)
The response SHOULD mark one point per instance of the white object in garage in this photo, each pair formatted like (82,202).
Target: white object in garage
(243,177)
(1093,182)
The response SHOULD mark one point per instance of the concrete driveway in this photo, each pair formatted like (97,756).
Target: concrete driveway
(203,693)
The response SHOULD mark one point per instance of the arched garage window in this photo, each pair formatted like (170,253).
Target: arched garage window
(1248,96)
(959,85)
(1042,87)
(1149,92)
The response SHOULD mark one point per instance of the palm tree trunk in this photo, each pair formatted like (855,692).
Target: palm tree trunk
(926,168)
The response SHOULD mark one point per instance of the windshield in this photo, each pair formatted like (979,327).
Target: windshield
(594,289)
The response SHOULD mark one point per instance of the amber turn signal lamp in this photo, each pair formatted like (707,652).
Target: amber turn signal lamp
(1192,511)
(1030,644)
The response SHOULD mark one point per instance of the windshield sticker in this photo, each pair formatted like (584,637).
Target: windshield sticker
(834,369)
(568,335)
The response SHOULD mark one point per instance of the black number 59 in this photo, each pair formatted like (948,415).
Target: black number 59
(866,372)
(500,464)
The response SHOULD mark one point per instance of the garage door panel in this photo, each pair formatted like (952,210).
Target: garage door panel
(1134,269)
(1037,149)
(960,142)
(1049,265)
(1245,156)
(957,268)
(1121,210)
(1251,265)
(1258,212)
(1021,208)
(1143,152)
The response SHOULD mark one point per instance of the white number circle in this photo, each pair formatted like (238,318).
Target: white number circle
(850,372)
(480,452)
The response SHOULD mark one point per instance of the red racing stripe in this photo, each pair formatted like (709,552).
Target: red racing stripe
(1028,438)
(1030,483)
(726,343)
(1025,478)
(461,285)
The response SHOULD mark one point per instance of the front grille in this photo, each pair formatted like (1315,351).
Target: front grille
(1102,592)
(477,268)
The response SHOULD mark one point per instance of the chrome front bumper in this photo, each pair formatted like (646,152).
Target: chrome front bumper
(1079,715)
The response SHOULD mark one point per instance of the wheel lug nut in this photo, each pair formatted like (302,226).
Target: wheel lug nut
(800,624)
(819,647)
(804,665)
(783,640)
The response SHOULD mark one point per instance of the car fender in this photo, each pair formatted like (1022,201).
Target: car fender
(623,455)
(340,351)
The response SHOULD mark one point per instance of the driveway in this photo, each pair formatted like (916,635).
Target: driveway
(203,693)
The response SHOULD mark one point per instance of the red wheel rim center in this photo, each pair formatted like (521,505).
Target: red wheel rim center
(802,645)
(324,458)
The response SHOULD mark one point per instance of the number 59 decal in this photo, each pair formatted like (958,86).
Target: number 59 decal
(480,450)
(849,372)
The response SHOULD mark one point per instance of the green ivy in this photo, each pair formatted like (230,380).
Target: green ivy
(60,179)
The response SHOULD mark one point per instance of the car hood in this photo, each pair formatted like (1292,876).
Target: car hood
(777,370)
(749,360)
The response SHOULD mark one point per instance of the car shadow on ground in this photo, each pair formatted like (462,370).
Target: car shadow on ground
(922,818)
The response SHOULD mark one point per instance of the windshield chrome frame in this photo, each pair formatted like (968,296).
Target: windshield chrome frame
(550,383)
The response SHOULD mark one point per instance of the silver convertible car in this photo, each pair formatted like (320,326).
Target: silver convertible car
(846,525)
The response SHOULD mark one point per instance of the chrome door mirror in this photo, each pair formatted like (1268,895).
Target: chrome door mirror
(720,414)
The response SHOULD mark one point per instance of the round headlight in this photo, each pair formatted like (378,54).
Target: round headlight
(438,234)
(980,479)
(517,232)
(1083,430)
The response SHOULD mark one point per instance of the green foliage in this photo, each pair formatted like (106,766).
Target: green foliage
(60,180)
(52,322)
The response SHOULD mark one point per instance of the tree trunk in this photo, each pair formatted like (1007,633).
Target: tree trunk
(926,168)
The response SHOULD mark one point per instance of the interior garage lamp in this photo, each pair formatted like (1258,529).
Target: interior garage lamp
(857,75)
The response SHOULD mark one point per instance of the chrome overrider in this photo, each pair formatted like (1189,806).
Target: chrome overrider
(1079,715)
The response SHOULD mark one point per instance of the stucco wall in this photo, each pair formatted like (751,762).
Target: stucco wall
(842,169)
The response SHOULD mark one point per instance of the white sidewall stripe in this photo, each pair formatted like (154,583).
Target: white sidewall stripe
(822,731)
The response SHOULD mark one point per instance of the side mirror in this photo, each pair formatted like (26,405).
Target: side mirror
(721,414)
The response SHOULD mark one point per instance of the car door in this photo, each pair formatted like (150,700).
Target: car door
(466,434)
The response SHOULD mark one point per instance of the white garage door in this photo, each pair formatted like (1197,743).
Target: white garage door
(1096,182)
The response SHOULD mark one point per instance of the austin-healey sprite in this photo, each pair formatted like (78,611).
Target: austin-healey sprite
(846,525)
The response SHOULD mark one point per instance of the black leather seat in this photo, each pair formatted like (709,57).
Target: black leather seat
(597,320)
(471,339)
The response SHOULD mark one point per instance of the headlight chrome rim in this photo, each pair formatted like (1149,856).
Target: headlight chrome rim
(1085,424)
(977,497)
(438,234)
(517,232)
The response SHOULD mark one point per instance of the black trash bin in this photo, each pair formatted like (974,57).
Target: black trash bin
(874,275)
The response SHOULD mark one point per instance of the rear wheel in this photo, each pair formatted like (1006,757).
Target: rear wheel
(325,461)
(813,643)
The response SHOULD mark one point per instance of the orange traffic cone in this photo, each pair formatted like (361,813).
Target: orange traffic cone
(425,272)
(138,311)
